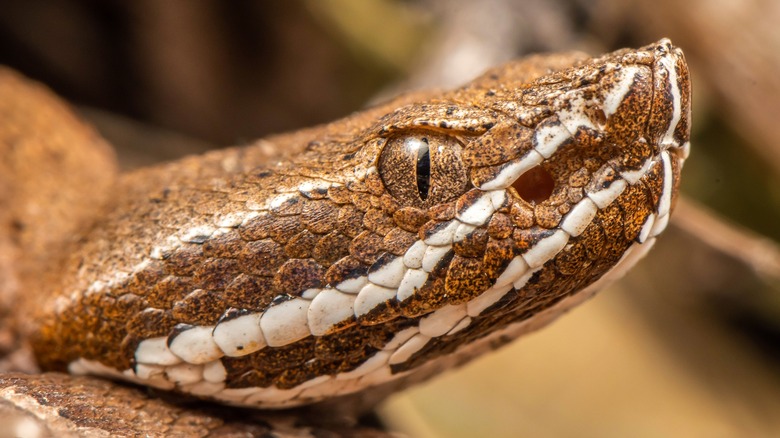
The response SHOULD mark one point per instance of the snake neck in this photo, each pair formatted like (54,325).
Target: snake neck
(55,175)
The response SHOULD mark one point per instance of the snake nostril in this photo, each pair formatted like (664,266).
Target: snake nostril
(535,185)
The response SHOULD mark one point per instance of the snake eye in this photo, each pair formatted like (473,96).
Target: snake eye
(423,169)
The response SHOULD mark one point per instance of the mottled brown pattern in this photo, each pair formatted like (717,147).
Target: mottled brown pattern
(504,142)
(243,229)
(498,253)
(474,244)
(466,278)
(634,200)
(60,405)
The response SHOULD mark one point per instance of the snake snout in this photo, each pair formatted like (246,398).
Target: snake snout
(670,117)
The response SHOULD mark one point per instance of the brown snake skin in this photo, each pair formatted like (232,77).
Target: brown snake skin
(346,260)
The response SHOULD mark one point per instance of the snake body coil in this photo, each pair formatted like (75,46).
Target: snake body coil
(377,250)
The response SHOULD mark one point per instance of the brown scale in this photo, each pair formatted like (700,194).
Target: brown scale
(574,260)
(349,220)
(361,201)
(387,191)
(256,228)
(498,254)
(249,376)
(196,308)
(285,228)
(331,248)
(522,215)
(611,223)
(302,245)
(216,273)
(225,245)
(294,376)
(397,241)
(341,346)
(168,290)
(388,204)
(319,217)
(473,245)
(184,261)
(378,221)
(442,212)
(281,358)
(249,292)
(596,242)
(465,279)
(655,181)
(331,354)
(150,323)
(410,218)
(506,142)
(346,268)
(366,247)
(144,282)
(547,215)
(376,204)
(635,204)
(339,195)
(261,257)
(115,331)
(428,298)
(297,275)
(121,308)
(500,226)
(525,239)
(662,105)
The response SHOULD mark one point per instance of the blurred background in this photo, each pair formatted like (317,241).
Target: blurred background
(686,345)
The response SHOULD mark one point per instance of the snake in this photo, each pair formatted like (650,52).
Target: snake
(349,260)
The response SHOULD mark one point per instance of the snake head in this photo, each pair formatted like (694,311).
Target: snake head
(394,244)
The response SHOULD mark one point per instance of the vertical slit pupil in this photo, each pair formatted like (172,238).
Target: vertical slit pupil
(423,169)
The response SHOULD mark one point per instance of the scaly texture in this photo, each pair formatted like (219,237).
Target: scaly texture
(377,250)
(57,405)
